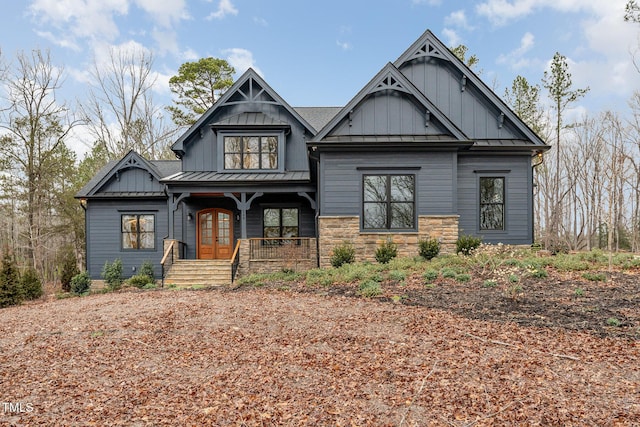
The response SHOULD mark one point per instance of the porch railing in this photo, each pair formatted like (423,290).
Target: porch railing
(168,258)
(281,248)
(235,261)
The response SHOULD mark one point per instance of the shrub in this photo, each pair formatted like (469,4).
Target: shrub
(80,283)
(397,275)
(539,273)
(10,289)
(386,252)
(448,273)
(369,288)
(68,267)
(343,254)
(112,274)
(429,249)
(430,275)
(140,280)
(489,283)
(146,269)
(463,277)
(467,244)
(31,284)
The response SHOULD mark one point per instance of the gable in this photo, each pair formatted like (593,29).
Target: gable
(132,176)
(249,94)
(390,108)
(460,94)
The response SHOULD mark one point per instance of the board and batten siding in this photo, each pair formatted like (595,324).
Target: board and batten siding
(133,180)
(341,180)
(517,173)
(104,235)
(465,106)
(202,152)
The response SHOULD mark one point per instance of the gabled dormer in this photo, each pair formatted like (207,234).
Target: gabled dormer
(390,111)
(250,129)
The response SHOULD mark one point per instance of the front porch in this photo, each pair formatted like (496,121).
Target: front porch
(252,255)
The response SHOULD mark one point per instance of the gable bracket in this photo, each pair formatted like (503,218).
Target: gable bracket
(500,120)
(312,202)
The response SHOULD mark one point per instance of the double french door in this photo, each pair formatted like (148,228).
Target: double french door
(215,234)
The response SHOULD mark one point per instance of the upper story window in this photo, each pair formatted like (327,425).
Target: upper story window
(492,203)
(388,202)
(251,152)
(138,231)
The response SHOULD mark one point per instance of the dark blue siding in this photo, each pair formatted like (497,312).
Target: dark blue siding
(341,180)
(104,234)
(518,189)
(132,180)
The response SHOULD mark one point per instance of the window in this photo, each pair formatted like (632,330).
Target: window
(491,203)
(280,222)
(138,231)
(251,152)
(388,202)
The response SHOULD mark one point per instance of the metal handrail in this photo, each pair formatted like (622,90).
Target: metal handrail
(235,261)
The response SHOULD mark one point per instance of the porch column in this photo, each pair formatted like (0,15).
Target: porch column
(243,206)
(173,207)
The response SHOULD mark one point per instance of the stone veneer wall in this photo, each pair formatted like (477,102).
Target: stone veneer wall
(334,230)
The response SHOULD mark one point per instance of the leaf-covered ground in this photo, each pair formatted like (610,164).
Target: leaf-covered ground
(274,356)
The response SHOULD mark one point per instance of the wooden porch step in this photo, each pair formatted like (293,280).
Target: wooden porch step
(199,272)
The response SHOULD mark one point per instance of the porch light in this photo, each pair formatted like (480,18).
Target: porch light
(189,217)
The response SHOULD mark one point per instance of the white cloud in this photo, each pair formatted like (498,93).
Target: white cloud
(65,42)
(516,58)
(92,19)
(164,13)
(260,21)
(453,39)
(241,60)
(343,45)
(225,7)
(457,19)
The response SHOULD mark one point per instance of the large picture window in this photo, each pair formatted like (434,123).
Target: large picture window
(251,152)
(138,231)
(491,203)
(280,222)
(388,202)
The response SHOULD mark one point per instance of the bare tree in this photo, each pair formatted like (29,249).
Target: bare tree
(121,111)
(36,125)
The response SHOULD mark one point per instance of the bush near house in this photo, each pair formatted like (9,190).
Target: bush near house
(386,252)
(80,283)
(112,274)
(429,249)
(343,254)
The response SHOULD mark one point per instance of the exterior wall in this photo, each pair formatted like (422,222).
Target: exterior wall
(334,230)
(104,234)
(517,173)
(341,180)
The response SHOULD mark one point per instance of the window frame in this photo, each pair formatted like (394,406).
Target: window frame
(388,202)
(222,152)
(280,226)
(138,233)
(481,204)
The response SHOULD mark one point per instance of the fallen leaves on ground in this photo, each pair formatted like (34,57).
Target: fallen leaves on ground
(268,357)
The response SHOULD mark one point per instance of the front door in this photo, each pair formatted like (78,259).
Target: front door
(215,233)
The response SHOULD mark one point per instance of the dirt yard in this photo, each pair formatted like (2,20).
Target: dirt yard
(293,355)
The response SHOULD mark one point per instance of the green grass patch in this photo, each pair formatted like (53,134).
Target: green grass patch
(369,289)
(463,277)
(595,277)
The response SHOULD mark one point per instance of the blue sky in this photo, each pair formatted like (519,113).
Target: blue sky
(321,53)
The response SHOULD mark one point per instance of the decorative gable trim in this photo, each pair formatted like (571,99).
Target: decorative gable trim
(428,45)
(249,88)
(390,79)
(131,160)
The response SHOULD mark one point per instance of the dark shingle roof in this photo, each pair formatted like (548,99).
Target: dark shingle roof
(317,117)
(235,177)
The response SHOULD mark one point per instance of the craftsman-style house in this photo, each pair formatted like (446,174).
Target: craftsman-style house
(425,149)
